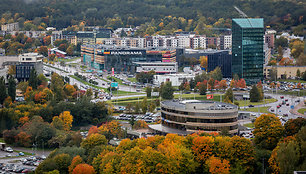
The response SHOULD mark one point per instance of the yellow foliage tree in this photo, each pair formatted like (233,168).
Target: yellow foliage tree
(203,62)
(66,118)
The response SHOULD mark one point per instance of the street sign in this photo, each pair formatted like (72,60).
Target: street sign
(211,96)
(155,94)
(292,106)
(114,84)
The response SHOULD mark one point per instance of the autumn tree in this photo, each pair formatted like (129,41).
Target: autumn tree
(202,88)
(75,161)
(69,90)
(83,169)
(67,120)
(268,130)
(202,147)
(93,140)
(211,84)
(293,126)
(218,166)
(203,61)
(43,50)
(222,84)
(140,124)
(216,74)
(241,83)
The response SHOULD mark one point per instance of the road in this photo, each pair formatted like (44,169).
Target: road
(72,70)
(284,109)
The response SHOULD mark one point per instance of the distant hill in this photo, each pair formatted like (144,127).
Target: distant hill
(119,13)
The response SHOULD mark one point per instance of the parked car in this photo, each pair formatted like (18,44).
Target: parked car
(9,149)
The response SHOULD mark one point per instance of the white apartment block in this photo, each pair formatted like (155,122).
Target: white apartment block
(10,27)
(183,42)
(226,42)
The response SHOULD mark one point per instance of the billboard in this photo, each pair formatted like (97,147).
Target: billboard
(211,96)
(114,84)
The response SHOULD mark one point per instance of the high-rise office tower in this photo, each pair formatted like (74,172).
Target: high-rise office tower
(248,48)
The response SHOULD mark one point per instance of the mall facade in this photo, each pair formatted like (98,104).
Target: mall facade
(122,59)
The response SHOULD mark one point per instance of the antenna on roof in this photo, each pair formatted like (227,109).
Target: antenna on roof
(242,14)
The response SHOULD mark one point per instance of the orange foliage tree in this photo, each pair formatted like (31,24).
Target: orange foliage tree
(93,130)
(222,84)
(218,166)
(202,147)
(75,161)
(23,139)
(83,169)
(140,124)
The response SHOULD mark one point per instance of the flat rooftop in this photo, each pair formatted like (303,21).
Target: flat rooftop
(165,129)
(198,105)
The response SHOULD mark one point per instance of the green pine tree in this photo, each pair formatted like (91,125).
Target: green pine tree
(33,81)
(167,91)
(254,94)
(3,93)
(12,88)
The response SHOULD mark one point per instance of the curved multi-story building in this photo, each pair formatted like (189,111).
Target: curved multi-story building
(185,117)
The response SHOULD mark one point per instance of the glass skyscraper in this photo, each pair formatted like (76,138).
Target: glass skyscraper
(247,48)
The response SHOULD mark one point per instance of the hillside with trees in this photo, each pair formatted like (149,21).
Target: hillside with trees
(153,15)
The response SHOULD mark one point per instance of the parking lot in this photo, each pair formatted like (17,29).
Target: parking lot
(148,117)
(20,164)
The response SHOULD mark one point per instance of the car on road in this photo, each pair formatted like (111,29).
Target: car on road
(285,115)
(9,149)
(278,106)
(251,106)
(272,110)
(287,104)
(21,154)
(282,97)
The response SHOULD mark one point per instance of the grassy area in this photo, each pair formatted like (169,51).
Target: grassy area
(86,83)
(247,102)
(68,60)
(293,93)
(116,93)
(302,110)
(103,79)
(55,68)
(25,153)
(114,79)
(133,100)
(2,140)
(291,80)
(261,109)
(132,79)
(249,125)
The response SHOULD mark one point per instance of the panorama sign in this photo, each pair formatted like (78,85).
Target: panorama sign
(126,52)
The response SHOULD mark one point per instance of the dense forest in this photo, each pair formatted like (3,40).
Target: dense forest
(122,13)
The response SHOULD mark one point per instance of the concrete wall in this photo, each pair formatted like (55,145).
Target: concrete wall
(281,70)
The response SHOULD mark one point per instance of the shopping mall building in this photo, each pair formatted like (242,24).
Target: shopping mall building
(122,59)
(189,116)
